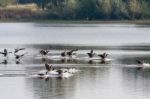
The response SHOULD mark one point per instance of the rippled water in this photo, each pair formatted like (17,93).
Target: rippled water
(118,79)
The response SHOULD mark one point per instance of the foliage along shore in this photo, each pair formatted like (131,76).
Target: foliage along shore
(50,21)
(86,11)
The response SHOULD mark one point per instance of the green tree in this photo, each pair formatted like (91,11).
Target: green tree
(145,9)
(104,7)
(6,2)
(134,9)
(86,9)
(119,10)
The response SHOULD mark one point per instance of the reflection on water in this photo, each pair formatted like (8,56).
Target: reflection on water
(118,79)
(105,83)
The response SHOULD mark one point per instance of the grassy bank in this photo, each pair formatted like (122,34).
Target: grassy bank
(36,20)
(146,22)
(31,13)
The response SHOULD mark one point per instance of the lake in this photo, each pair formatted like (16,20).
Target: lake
(121,78)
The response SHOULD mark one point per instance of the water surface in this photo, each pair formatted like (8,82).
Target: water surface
(119,79)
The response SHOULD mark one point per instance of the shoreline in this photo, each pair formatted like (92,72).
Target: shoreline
(145,47)
(139,22)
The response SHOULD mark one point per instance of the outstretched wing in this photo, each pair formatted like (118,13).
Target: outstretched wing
(105,55)
(22,55)
(101,55)
(19,49)
(2,53)
(22,48)
(71,52)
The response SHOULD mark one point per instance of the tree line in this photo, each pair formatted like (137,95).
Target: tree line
(90,9)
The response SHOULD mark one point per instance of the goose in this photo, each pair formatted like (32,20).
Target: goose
(91,54)
(63,54)
(44,74)
(18,57)
(104,58)
(5,53)
(70,53)
(49,70)
(44,52)
(142,64)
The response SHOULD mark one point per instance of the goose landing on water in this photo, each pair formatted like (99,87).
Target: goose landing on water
(5,53)
(104,57)
(91,54)
(69,53)
(142,64)
(44,53)
(51,72)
